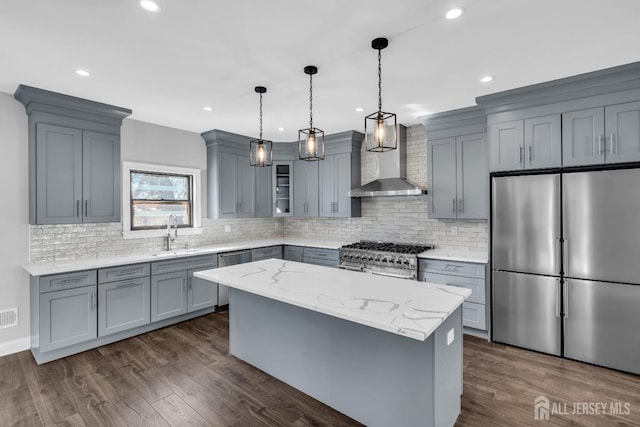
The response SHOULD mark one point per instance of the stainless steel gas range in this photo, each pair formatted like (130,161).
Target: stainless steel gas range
(383,258)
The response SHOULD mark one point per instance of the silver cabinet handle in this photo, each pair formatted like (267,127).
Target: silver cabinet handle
(127,284)
(520,159)
(600,145)
(86,208)
(558,297)
(190,283)
(77,207)
(530,155)
(454,204)
(184,285)
(336,207)
(460,205)
(611,139)
(566,299)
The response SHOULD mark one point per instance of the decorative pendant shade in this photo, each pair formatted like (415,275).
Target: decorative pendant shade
(382,126)
(311,140)
(261,154)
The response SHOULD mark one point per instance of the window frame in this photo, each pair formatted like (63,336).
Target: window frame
(127,202)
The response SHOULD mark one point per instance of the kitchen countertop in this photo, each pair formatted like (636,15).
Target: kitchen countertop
(66,266)
(404,307)
(449,255)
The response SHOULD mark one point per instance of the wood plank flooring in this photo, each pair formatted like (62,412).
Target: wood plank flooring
(183,375)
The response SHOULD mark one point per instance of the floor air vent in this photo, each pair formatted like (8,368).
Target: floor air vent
(8,318)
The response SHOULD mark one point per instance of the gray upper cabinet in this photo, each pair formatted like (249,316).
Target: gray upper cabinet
(74,158)
(78,176)
(525,144)
(335,184)
(602,135)
(305,190)
(264,208)
(457,164)
(282,182)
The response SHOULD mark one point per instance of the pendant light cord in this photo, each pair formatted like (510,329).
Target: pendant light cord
(379,80)
(261,117)
(310,101)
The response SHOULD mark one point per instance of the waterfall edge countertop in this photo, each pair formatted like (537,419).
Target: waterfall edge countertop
(404,307)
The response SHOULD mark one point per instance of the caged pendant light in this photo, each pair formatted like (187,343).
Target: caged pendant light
(261,151)
(381,125)
(311,140)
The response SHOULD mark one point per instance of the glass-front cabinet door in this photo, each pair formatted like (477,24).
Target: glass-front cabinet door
(282,188)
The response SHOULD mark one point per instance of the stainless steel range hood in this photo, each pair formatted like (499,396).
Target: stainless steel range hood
(391,174)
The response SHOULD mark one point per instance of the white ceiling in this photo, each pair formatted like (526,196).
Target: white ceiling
(167,66)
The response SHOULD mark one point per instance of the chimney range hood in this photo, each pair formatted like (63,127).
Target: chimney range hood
(391,174)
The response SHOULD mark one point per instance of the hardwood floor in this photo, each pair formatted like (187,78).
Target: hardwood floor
(183,375)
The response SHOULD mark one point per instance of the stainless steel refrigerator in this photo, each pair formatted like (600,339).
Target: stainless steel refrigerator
(566,264)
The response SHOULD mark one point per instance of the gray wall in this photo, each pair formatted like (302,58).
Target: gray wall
(14,228)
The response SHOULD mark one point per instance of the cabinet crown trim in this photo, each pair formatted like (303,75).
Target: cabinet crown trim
(35,99)
(601,82)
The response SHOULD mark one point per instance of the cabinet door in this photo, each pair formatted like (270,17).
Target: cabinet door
(327,186)
(300,188)
(123,305)
(168,295)
(583,140)
(472,177)
(282,188)
(246,188)
(58,174)
(68,317)
(293,253)
(506,146)
(228,182)
(622,123)
(542,145)
(441,158)
(201,293)
(343,185)
(101,177)
(312,188)
(263,192)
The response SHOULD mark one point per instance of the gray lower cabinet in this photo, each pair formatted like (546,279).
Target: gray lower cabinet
(123,305)
(305,191)
(467,275)
(269,252)
(168,295)
(321,256)
(200,293)
(600,135)
(531,143)
(458,177)
(294,253)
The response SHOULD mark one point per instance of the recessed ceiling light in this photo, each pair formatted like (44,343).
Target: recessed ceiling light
(454,13)
(280,129)
(359,109)
(486,79)
(83,73)
(207,108)
(149,5)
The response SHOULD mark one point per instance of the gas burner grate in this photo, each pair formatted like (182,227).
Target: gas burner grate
(401,248)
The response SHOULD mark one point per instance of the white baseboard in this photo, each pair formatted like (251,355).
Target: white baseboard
(15,346)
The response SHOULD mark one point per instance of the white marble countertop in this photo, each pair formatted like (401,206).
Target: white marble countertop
(404,307)
(57,267)
(449,255)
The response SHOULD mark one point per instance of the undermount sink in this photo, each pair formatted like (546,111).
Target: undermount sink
(174,253)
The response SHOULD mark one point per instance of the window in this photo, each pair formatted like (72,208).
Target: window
(157,196)
(152,193)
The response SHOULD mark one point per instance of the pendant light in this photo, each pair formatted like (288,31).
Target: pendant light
(261,154)
(311,140)
(381,125)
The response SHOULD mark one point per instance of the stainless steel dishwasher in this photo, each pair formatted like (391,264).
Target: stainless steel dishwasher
(224,260)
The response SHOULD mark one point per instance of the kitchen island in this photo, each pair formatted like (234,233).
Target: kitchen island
(382,350)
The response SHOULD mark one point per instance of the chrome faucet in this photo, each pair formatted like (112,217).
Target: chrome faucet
(171,236)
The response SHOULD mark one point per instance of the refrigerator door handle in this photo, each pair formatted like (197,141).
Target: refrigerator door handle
(558,296)
(566,299)
(565,256)
(558,256)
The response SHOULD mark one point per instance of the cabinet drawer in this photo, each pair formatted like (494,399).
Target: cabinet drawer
(453,268)
(181,264)
(321,256)
(123,305)
(477,286)
(293,253)
(266,253)
(121,272)
(474,315)
(76,279)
